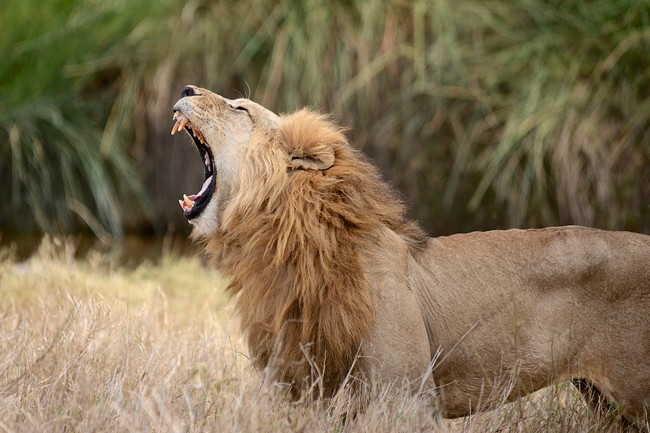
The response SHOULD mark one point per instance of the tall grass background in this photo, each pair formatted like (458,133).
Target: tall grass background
(484,114)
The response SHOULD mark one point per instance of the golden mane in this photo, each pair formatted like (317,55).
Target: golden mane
(290,240)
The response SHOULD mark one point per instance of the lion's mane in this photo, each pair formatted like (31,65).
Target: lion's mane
(289,241)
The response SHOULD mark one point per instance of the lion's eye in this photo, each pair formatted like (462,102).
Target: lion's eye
(238,107)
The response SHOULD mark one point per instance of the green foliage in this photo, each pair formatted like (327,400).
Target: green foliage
(560,133)
(485,114)
(62,63)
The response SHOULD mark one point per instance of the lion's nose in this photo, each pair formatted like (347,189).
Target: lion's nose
(188,91)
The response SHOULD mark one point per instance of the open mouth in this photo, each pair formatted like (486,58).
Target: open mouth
(194,204)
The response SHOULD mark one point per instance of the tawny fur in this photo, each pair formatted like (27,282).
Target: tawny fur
(325,267)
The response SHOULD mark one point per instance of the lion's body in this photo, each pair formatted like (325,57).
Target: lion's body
(331,278)
(538,306)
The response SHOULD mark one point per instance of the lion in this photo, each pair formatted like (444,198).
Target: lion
(332,281)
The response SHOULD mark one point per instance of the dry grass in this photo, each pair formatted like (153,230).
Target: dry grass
(89,346)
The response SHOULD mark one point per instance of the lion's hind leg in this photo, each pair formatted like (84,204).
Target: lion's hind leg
(608,410)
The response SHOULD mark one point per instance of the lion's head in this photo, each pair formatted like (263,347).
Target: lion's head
(222,130)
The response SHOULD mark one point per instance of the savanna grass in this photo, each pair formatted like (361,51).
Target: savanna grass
(89,346)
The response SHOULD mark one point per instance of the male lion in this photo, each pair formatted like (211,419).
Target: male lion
(331,277)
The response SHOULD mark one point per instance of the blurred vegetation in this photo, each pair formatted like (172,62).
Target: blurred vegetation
(484,114)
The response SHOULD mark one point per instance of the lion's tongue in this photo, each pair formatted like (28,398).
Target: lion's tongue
(187,203)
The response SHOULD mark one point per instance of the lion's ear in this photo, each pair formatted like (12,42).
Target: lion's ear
(310,140)
(319,157)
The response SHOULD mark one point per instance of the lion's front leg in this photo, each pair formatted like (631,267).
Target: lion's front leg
(396,351)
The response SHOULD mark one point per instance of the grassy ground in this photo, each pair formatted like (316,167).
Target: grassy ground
(90,346)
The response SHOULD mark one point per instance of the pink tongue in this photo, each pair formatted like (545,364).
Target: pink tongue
(203,188)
